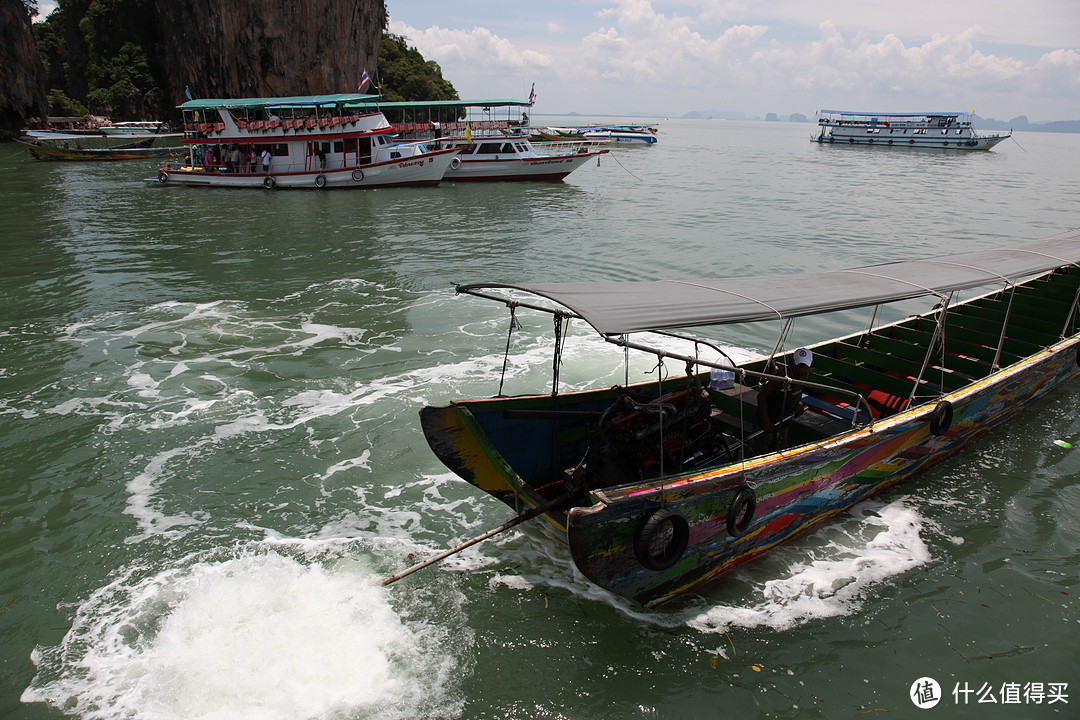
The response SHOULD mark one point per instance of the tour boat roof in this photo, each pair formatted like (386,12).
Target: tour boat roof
(298,101)
(410,104)
(616,308)
(851,113)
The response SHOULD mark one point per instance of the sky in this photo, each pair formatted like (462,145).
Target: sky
(999,58)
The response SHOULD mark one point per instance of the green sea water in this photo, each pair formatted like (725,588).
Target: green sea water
(210,451)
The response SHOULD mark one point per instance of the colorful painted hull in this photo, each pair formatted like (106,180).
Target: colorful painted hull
(794,490)
(525,450)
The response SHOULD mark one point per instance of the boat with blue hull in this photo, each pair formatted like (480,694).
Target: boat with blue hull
(659,488)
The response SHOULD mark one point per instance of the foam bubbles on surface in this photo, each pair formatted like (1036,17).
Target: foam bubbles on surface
(827,574)
(267,633)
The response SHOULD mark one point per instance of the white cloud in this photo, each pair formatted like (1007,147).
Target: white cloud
(625,55)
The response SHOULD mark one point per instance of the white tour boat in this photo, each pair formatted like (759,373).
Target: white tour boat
(622,134)
(922,130)
(135,127)
(298,142)
(492,136)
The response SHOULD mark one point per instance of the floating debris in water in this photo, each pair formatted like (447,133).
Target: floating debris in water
(1063,443)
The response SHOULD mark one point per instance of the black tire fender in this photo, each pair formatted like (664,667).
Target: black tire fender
(741,512)
(653,558)
(320,181)
(455,163)
(269,183)
(163,177)
(941,418)
(357,175)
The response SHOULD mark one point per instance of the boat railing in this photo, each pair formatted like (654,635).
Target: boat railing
(742,374)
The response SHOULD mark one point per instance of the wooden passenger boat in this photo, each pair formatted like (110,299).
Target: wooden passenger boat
(937,131)
(661,487)
(40,151)
(317,141)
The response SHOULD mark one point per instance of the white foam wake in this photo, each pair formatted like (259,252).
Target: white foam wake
(263,635)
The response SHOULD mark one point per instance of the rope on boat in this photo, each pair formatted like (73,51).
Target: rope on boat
(622,166)
(509,334)
(561,321)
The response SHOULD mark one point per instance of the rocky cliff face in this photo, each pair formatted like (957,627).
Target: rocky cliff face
(265,48)
(22,86)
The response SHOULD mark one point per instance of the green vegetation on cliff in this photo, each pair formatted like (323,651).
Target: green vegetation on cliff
(405,75)
(98,53)
(107,57)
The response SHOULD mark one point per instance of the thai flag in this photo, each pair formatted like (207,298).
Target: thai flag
(364,80)
(532,94)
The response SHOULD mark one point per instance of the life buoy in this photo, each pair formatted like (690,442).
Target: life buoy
(666,528)
(269,183)
(320,181)
(941,418)
(455,163)
(357,175)
(741,512)
(163,177)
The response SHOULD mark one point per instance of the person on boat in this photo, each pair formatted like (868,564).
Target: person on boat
(266,160)
(237,167)
(779,400)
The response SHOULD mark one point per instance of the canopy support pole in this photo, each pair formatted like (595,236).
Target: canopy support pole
(528,515)
(1004,325)
(1071,315)
(939,332)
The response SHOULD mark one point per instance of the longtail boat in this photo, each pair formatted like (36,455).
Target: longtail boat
(661,487)
(40,151)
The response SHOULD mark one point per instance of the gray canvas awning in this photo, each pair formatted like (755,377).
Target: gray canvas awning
(616,308)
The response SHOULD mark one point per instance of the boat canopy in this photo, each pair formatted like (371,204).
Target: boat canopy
(374,100)
(850,113)
(617,308)
(299,101)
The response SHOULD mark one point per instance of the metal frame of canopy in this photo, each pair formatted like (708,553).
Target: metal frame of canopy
(610,308)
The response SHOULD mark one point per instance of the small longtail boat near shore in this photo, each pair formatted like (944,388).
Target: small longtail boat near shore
(937,131)
(319,141)
(661,487)
(42,151)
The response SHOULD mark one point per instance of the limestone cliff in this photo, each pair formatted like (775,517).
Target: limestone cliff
(133,59)
(22,85)
(264,48)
